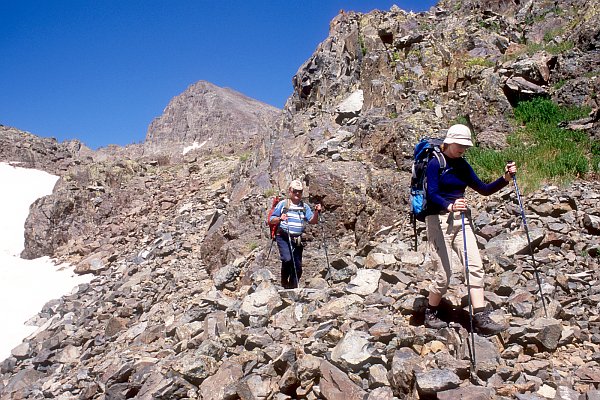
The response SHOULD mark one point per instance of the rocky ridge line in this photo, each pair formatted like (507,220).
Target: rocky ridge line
(199,314)
(161,322)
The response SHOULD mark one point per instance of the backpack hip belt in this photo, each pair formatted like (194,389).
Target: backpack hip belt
(282,232)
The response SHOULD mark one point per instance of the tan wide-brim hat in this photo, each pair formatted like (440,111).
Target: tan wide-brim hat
(296,185)
(460,134)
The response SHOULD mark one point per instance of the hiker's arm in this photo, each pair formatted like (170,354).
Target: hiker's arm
(433,191)
(482,188)
(275,220)
(510,170)
(276,217)
(315,216)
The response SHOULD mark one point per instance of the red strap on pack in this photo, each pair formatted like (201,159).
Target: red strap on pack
(273,226)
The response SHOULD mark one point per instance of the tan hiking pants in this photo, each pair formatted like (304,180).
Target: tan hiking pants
(444,234)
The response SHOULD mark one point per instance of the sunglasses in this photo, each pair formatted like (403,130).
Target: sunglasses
(295,191)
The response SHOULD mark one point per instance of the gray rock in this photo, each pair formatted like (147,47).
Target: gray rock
(437,380)
(592,224)
(378,376)
(381,393)
(546,332)
(336,385)
(24,379)
(23,350)
(566,393)
(254,387)
(521,86)
(593,395)
(353,351)
(487,357)
(195,368)
(226,275)
(352,104)
(509,244)
(365,282)
(344,274)
(260,305)
(466,393)
(402,374)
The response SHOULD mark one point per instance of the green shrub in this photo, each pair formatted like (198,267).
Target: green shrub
(559,84)
(533,48)
(363,46)
(541,110)
(543,151)
(559,48)
(549,44)
(480,61)
(461,119)
(551,34)
(270,192)
(595,149)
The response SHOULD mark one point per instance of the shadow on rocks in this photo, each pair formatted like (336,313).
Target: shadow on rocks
(447,312)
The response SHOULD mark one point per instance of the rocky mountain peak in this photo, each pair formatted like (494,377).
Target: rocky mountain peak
(28,150)
(186,302)
(209,118)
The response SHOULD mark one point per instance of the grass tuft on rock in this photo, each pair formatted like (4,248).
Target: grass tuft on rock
(544,151)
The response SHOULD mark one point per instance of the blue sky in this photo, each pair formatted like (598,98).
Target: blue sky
(101,70)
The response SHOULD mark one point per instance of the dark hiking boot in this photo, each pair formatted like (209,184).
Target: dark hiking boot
(432,319)
(483,324)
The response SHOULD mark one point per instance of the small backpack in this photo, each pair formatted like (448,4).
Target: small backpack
(424,150)
(273,226)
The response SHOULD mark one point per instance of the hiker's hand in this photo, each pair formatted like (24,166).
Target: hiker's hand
(458,205)
(283,217)
(318,208)
(510,170)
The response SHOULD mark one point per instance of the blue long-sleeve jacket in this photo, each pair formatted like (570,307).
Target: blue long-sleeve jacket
(444,187)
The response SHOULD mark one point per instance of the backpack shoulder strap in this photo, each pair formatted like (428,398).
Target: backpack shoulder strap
(441,159)
(286,206)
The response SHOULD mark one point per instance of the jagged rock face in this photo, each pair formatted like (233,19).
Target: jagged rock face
(185,303)
(87,199)
(46,154)
(215,119)
(587,33)
(160,322)
(381,81)
(96,208)
(466,59)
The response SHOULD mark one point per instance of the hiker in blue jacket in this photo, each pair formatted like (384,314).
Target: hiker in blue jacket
(292,214)
(446,201)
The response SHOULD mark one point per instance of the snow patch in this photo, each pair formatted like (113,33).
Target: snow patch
(194,146)
(25,285)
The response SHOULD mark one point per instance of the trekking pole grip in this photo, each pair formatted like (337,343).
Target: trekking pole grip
(511,173)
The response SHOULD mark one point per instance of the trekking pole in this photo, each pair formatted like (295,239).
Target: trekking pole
(325,246)
(535,269)
(464,234)
(270,248)
(292,256)
(413,219)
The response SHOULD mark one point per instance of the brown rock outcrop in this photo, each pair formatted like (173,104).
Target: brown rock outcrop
(210,119)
